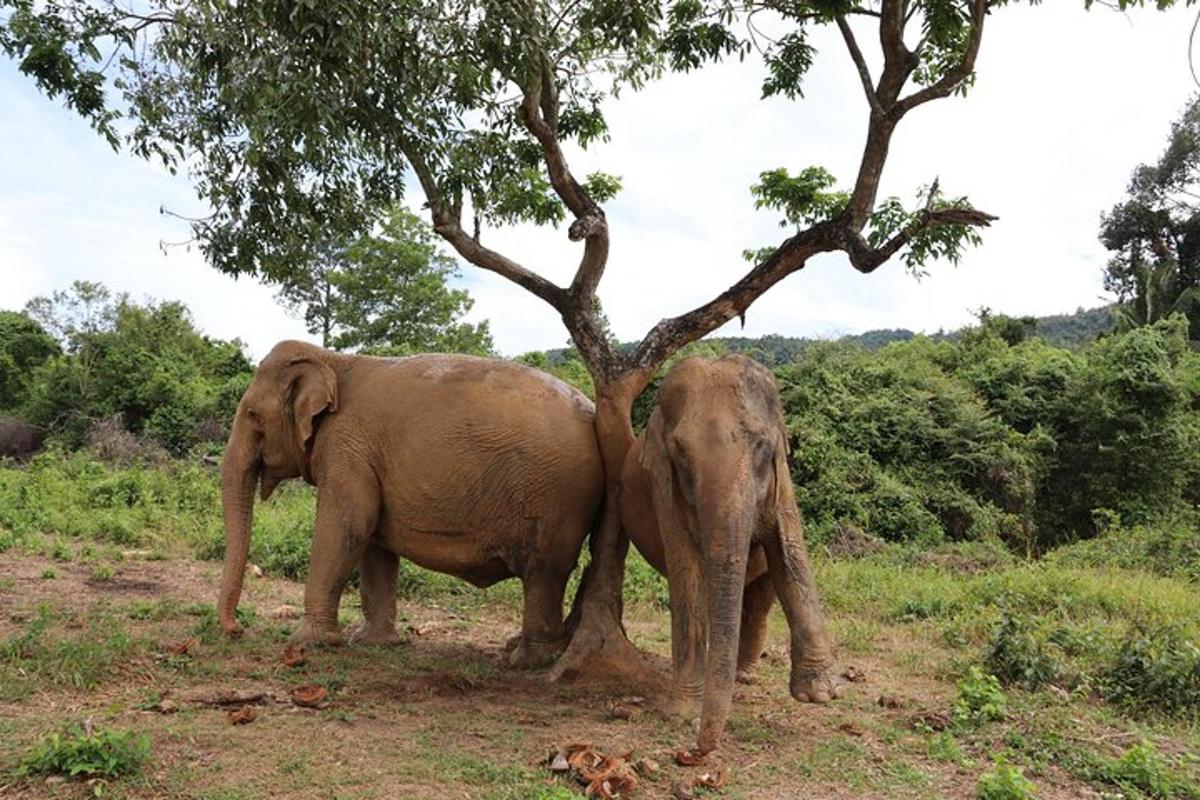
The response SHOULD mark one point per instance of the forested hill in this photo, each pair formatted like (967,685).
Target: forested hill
(1061,330)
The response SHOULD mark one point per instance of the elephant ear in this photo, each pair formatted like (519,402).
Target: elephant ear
(311,390)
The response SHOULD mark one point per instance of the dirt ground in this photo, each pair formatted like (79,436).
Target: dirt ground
(439,716)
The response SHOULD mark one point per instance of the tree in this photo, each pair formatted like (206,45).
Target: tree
(24,346)
(1155,234)
(298,118)
(387,292)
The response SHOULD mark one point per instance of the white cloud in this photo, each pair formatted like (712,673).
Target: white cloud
(1066,104)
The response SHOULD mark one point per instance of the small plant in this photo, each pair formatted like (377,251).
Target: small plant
(82,751)
(1017,657)
(1158,668)
(980,698)
(48,574)
(103,573)
(1143,771)
(1004,782)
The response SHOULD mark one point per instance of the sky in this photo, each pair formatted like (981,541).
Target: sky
(1066,103)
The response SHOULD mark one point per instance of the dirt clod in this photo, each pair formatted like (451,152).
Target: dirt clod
(889,701)
(854,674)
(309,695)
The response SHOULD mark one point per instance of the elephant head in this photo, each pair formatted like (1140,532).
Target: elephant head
(270,441)
(716,448)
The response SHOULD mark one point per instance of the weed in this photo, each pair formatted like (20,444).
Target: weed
(1004,782)
(91,753)
(1157,668)
(48,574)
(103,573)
(1017,657)
(1143,771)
(980,698)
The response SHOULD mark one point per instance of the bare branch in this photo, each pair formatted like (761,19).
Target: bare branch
(867,259)
(447,221)
(954,77)
(860,63)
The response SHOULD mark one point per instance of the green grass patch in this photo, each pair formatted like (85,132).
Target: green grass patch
(76,752)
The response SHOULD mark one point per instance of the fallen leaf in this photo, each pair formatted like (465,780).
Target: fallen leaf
(854,674)
(181,648)
(558,761)
(286,612)
(293,656)
(689,758)
(309,695)
(647,766)
(851,728)
(256,570)
(166,707)
(889,701)
(241,716)
(712,780)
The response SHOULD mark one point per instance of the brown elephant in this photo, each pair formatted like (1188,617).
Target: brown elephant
(479,468)
(707,498)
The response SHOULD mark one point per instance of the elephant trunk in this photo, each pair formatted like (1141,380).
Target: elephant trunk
(725,546)
(240,471)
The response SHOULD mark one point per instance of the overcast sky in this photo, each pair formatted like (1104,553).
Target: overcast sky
(1066,103)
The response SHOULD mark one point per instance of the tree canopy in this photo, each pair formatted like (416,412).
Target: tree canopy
(386,292)
(1154,233)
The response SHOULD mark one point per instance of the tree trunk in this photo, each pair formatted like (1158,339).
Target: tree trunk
(599,648)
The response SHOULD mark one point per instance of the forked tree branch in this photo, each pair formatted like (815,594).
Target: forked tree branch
(447,222)
(867,259)
(860,63)
(954,76)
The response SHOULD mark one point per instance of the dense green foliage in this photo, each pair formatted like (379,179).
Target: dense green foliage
(1154,234)
(77,751)
(387,292)
(24,346)
(147,365)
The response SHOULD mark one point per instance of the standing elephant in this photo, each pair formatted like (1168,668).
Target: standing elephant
(475,467)
(707,498)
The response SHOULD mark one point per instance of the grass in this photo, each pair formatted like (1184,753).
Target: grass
(1095,667)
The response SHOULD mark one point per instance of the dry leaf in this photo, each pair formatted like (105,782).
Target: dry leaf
(286,612)
(851,728)
(647,766)
(293,656)
(933,720)
(309,695)
(712,780)
(166,707)
(854,674)
(689,758)
(241,716)
(182,648)
(256,570)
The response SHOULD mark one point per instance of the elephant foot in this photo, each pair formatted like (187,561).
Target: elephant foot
(528,654)
(817,686)
(308,633)
(377,634)
(682,704)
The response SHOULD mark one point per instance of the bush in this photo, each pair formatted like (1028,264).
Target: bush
(980,698)
(1143,771)
(1159,669)
(1016,656)
(1004,782)
(82,751)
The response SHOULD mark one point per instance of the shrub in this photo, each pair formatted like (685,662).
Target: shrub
(1016,656)
(1156,668)
(1143,771)
(1004,782)
(82,751)
(980,698)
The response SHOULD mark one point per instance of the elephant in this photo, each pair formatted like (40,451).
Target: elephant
(707,498)
(480,468)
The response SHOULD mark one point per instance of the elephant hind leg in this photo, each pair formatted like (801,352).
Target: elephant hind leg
(378,570)
(542,636)
(757,599)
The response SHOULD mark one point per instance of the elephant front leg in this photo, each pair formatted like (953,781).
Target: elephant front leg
(689,626)
(812,678)
(756,606)
(377,572)
(345,520)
